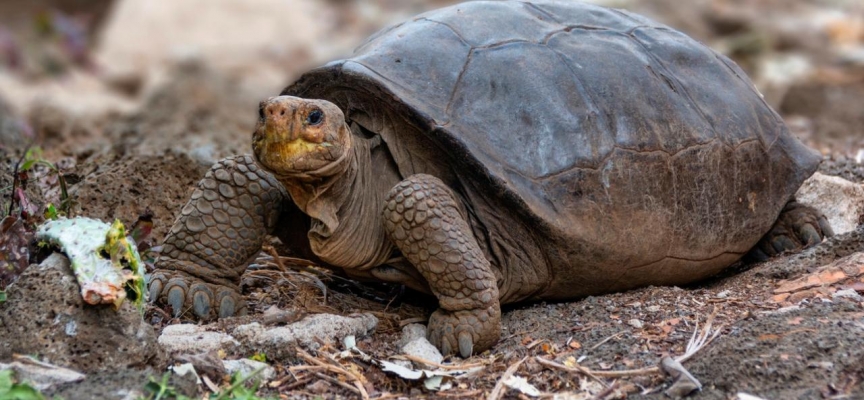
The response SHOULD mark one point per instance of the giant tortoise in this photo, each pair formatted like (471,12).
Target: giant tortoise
(497,152)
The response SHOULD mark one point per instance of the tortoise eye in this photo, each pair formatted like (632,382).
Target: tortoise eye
(315,117)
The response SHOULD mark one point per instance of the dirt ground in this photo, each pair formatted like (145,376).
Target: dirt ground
(122,164)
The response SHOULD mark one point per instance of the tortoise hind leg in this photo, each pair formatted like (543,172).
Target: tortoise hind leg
(422,219)
(797,228)
(216,235)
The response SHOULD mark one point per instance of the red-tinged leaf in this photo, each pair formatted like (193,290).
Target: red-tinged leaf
(141,230)
(14,250)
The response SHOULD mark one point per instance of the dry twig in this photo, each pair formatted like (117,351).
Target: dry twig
(698,341)
(498,391)
(357,380)
(421,360)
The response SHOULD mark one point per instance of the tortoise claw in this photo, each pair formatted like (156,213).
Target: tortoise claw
(466,344)
(183,292)
(783,243)
(464,331)
(809,235)
(202,298)
(798,227)
(176,299)
(228,304)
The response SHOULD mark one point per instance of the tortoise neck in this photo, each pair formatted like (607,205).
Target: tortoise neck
(345,208)
(321,193)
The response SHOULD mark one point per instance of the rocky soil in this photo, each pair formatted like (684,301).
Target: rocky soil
(131,130)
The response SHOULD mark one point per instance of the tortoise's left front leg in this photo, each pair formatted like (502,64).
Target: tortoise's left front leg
(422,218)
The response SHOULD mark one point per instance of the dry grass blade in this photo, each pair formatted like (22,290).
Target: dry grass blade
(498,391)
(338,383)
(577,369)
(356,380)
(698,341)
(602,342)
(700,338)
(441,366)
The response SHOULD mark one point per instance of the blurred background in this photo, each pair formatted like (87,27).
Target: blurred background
(134,99)
(89,59)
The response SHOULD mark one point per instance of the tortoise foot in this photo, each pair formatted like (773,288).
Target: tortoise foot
(797,228)
(184,293)
(464,332)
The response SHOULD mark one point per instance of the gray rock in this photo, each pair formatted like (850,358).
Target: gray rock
(840,200)
(246,367)
(194,339)
(847,293)
(42,376)
(414,342)
(45,316)
(277,343)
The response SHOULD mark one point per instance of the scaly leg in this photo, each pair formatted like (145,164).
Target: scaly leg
(798,227)
(215,237)
(422,218)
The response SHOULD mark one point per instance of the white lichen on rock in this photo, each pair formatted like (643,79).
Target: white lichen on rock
(105,261)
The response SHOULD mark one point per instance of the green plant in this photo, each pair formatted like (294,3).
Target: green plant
(34,157)
(10,390)
(260,357)
(238,389)
(161,390)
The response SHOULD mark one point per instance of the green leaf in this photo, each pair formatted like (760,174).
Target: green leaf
(16,391)
(27,165)
(5,381)
(50,211)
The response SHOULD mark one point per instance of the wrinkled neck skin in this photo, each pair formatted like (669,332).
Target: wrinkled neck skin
(345,206)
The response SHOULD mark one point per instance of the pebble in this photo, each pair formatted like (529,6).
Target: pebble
(635,323)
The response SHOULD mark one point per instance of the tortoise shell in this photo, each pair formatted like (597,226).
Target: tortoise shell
(624,151)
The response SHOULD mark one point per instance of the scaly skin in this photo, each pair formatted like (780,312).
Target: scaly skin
(422,218)
(215,237)
(797,228)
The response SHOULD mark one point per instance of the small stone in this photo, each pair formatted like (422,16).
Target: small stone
(848,294)
(635,323)
(246,367)
(414,342)
(653,308)
(840,200)
(724,294)
(194,339)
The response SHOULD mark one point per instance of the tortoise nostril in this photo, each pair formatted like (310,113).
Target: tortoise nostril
(282,112)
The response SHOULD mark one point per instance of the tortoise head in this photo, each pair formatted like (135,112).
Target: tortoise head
(295,136)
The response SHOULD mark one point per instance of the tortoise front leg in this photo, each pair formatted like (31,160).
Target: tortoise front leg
(217,234)
(422,218)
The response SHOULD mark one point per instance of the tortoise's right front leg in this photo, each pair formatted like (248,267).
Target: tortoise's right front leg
(217,234)
(423,220)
